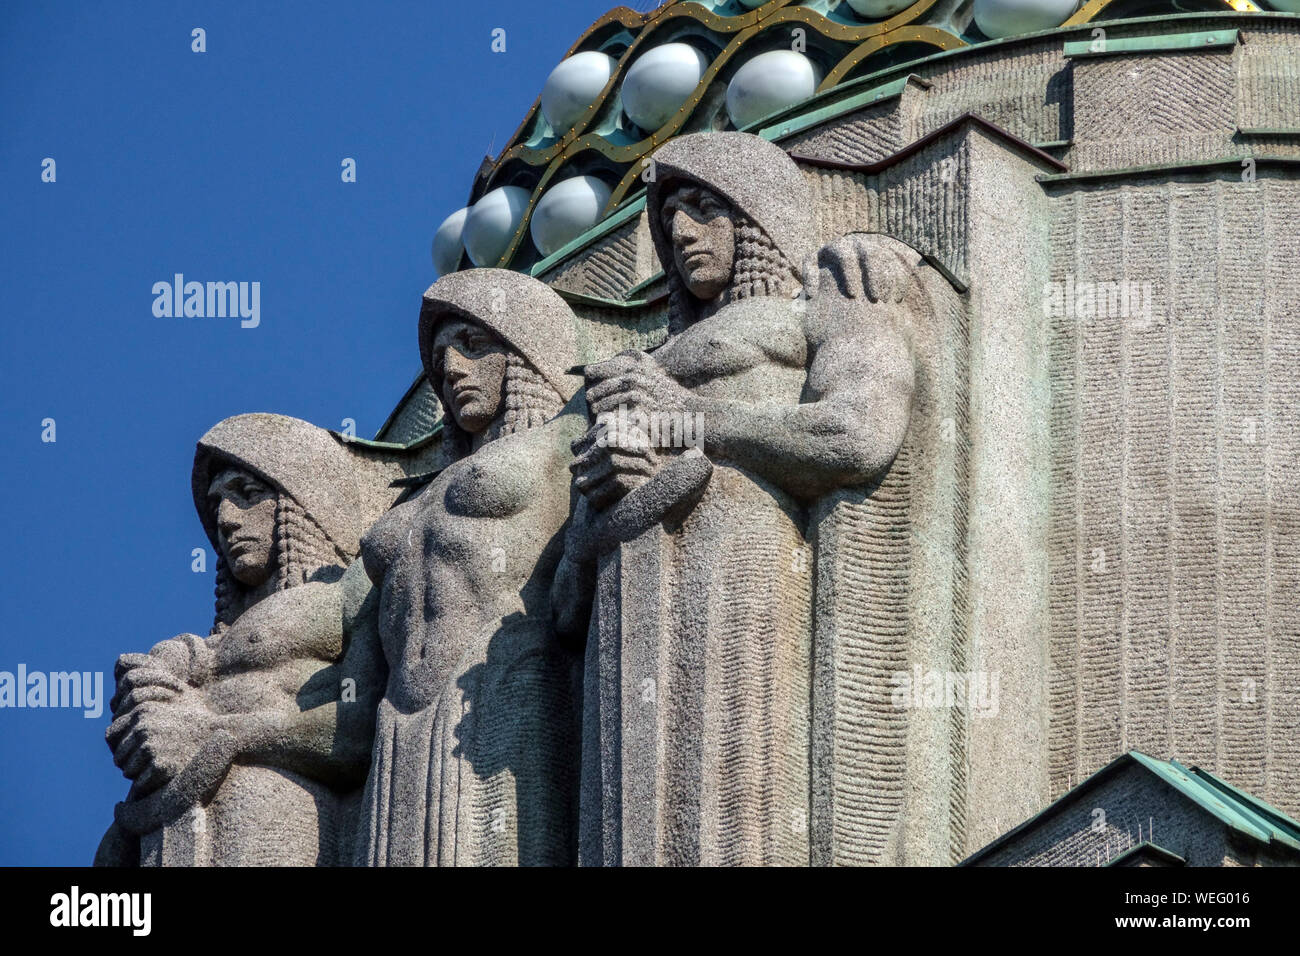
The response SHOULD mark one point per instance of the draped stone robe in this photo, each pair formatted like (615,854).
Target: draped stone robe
(697,675)
(475,759)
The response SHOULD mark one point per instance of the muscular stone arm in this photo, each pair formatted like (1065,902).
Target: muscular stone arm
(856,411)
(326,732)
(185,659)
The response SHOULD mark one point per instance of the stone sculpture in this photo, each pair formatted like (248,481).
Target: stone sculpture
(950,463)
(697,722)
(475,758)
(250,746)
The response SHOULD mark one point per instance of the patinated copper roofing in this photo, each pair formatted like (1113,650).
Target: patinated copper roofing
(858,55)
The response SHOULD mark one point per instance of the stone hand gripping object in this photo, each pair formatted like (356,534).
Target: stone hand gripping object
(198,780)
(241,746)
(697,730)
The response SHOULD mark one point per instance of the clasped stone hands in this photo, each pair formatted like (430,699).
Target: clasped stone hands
(160,718)
(616,455)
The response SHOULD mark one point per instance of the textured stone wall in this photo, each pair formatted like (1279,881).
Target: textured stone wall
(415,417)
(1140,110)
(1118,512)
(951,546)
(1268,85)
(1024,88)
(610,266)
(606,331)
(922,200)
(1175,546)
(873,134)
(890,783)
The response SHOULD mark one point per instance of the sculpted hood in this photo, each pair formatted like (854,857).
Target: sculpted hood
(525,313)
(344,488)
(755,176)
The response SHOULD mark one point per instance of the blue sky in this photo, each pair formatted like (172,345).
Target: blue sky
(224,166)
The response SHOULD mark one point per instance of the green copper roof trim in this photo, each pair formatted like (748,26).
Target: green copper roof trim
(1205,796)
(1286,162)
(1262,807)
(581,298)
(1239,811)
(607,224)
(1242,806)
(401,404)
(1283,828)
(1142,849)
(1269,131)
(1169,42)
(412,445)
(806,120)
(645,283)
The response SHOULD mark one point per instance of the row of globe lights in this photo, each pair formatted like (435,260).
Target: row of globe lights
(655,88)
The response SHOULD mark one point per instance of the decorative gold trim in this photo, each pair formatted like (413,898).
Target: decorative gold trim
(651,26)
(1094,8)
(911,33)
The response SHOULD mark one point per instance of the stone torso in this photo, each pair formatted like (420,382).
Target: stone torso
(267,656)
(752,350)
(471,554)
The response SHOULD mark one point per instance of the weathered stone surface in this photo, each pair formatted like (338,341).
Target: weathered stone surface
(1173,508)
(247,747)
(698,737)
(475,759)
(910,471)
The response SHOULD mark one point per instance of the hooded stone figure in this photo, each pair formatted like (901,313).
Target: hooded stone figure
(326,494)
(767,203)
(699,662)
(243,747)
(475,758)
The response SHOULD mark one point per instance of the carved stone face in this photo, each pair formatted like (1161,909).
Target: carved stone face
(470,363)
(245,510)
(700,227)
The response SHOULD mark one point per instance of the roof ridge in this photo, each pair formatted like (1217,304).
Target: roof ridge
(1176,776)
(1229,805)
(1282,826)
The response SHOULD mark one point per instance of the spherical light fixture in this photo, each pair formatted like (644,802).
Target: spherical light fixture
(573,86)
(567,210)
(878,9)
(492,222)
(1007,18)
(770,82)
(660,81)
(448,242)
